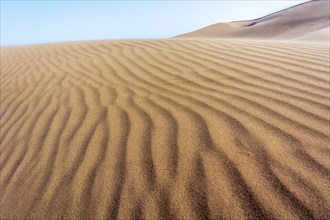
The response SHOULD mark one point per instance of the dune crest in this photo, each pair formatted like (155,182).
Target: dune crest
(291,23)
(157,129)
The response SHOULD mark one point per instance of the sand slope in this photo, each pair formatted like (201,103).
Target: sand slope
(290,23)
(320,36)
(178,129)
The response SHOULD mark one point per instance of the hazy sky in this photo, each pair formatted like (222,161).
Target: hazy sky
(27,22)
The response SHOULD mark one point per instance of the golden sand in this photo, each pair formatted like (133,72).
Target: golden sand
(176,129)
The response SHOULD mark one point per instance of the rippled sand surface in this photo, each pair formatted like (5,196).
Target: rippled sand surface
(176,129)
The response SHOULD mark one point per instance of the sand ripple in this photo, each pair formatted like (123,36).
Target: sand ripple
(165,129)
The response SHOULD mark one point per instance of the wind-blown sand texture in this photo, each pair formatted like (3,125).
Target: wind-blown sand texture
(176,129)
(291,23)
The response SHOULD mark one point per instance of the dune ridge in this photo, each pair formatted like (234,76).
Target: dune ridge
(157,129)
(308,21)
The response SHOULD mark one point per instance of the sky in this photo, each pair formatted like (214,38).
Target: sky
(42,21)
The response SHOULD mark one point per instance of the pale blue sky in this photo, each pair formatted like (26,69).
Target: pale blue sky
(30,22)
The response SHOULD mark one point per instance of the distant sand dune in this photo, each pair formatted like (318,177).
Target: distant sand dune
(308,21)
(178,129)
(322,36)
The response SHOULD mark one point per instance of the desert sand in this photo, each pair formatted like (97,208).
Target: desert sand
(181,128)
(290,23)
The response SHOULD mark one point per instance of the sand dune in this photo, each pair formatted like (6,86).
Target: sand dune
(178,129)
(320,36)
(291,23)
